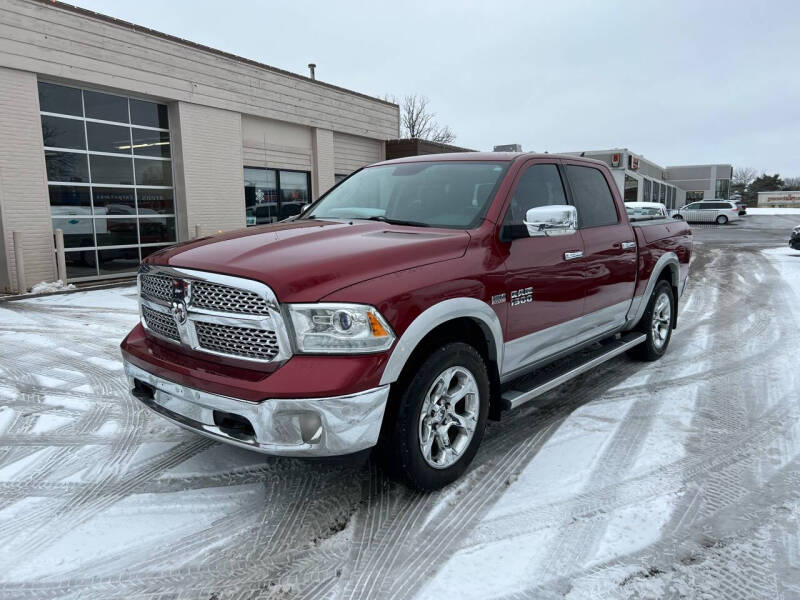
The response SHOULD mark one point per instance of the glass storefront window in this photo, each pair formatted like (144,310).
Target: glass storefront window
(694,196)
(70,200)
(66,166)
(78,232)
(111,169)
(106,107)
(60,99)
(118,260)
(153,172)
(723,188)
(149,114)
(152,202)
(58,132)
(114,201)
(116,231)
(272,195)
(110,183)
(108,138)
(156,229)
(148,142)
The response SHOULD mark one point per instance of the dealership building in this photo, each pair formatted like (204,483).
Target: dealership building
(642,180)
(127,140)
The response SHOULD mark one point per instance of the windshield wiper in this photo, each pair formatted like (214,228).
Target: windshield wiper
(383,219)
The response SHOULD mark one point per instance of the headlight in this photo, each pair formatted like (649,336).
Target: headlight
(334,328)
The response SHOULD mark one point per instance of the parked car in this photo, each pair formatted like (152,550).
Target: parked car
(712,211)
(794,240)
(645,209)
(404,308)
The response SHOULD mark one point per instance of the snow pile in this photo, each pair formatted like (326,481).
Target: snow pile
(773,211)
(44,287)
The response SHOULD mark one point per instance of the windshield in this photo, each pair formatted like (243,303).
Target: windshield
(434,194)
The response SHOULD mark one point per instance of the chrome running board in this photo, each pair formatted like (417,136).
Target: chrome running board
(545,381)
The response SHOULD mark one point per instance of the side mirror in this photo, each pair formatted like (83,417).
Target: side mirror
(556,219)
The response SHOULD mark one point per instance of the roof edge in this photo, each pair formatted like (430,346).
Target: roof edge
(172,38)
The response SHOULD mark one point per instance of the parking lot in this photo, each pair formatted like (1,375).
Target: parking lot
(679,478)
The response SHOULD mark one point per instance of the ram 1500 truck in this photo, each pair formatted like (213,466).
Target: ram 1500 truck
(407,305)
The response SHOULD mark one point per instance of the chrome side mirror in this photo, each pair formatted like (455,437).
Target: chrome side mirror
(556,219)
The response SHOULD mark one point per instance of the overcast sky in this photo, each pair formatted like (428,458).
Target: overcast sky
(680,82)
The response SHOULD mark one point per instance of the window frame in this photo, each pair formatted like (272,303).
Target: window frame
(90,184)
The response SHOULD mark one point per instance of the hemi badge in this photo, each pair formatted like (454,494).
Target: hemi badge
(498,299)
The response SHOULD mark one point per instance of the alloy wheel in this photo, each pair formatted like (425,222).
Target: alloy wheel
(449,417)
(662,313)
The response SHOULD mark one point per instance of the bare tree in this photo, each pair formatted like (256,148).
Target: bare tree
(417,121)
(791,183)
(743,176)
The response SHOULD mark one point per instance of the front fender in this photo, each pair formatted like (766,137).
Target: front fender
(436,315)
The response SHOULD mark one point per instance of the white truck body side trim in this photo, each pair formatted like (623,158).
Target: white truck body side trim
(536,346)
(436,315)
(668,260)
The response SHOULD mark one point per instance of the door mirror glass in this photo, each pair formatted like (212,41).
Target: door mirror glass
(552,220)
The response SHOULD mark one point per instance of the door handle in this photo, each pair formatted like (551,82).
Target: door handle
(628,245)
(573,255)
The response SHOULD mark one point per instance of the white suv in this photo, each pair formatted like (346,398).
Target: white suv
(709,211)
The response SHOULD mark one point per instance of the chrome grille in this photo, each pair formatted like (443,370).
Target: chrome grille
(160,323)
(246,342)
(213,296)
(156,286)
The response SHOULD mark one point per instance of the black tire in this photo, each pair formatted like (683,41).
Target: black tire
(403,449)
(654,348)
(722,220)
(679,217)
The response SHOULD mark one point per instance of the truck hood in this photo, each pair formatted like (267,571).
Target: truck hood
(304,261)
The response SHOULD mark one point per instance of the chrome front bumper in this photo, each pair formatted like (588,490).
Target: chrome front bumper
(286,427)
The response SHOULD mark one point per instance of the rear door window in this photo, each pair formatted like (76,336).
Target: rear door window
(592,197)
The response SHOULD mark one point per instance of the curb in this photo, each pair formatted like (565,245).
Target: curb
(87,288)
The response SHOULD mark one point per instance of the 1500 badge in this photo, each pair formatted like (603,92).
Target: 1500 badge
(522,296)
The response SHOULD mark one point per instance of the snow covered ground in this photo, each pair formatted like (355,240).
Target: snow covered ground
(674,479)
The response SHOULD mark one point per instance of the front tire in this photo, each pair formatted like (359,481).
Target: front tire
(441,417)
(722,219)
(656,323)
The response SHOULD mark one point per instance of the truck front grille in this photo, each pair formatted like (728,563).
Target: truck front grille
(156,286)
(160,323)
(213,296)
(247,342)
(218,314)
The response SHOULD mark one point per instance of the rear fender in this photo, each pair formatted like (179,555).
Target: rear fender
(668,260)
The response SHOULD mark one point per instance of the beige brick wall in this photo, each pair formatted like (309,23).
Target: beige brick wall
(209,180)
(322,171)
(24,203)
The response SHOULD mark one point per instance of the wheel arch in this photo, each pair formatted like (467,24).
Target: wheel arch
(666,268)
(441,317)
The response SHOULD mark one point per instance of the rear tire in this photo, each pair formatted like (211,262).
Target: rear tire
(679,217)
(656,323)
(441,417)
(722,219)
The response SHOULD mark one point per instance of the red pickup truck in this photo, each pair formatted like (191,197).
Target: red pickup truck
(405,307)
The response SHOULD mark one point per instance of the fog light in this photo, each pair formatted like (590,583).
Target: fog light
(310,427)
